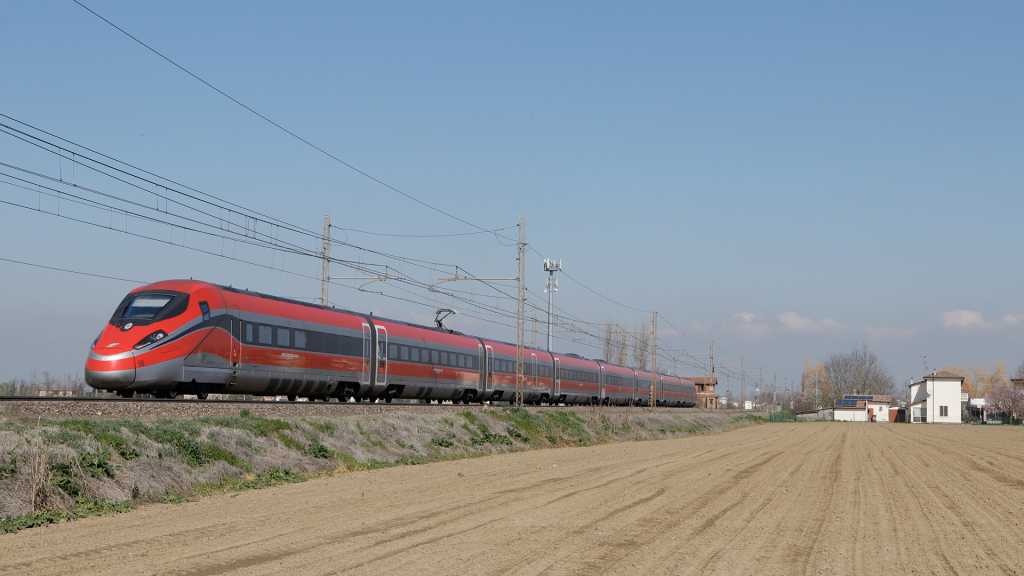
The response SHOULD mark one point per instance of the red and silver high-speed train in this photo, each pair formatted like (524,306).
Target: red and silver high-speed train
(189,337)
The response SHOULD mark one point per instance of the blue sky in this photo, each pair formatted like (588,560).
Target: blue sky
(788,179)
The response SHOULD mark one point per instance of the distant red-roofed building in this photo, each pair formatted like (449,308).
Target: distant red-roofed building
(706,395)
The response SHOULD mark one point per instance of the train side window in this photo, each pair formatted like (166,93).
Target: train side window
(433,357)
(471,362)
(300,339)
(462,360)
(393,351)
(248,332)
(405,353)
(205,309)
(415,354)
(266,335)
(283,337)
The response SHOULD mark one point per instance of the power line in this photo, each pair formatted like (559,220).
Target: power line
(72,271)
(361,172)
(282,128)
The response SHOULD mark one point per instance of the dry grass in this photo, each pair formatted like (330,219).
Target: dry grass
(58,464)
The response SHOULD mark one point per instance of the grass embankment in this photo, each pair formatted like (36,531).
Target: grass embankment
(60,470)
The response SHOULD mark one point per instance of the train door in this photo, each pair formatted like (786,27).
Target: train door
(533,368)
(600,381)
(555,382)
(382,356)
(236,337)
(367,348)
(489,381)
(636,388)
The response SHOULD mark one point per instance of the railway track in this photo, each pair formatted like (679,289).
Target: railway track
(178,400)
(56,407)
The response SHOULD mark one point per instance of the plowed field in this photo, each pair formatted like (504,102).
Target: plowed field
(805,498)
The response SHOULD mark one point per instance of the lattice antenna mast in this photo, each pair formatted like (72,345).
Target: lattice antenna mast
(521,313)
(550,266)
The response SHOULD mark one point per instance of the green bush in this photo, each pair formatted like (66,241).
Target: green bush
(318,450)
(97,465)
(442,442)
(489,438)
(63,478)
(83,508)
(516,434)
(10,470)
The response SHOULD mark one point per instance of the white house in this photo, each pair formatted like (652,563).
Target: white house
(936,399)
(862,408)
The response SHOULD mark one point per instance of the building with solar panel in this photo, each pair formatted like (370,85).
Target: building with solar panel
(863,408)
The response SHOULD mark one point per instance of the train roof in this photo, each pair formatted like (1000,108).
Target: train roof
(248,292)
(336,309)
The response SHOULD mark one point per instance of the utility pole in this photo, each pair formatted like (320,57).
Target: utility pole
(760,380)
(550,266)
(325,275)
(743,382)
(521,313)
(711,377)
(654,363)
(775,383)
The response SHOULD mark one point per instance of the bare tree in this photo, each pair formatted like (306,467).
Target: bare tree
(979,380)
(621,348)
(814,384)
(1018,374)
(857,372)
(642,346)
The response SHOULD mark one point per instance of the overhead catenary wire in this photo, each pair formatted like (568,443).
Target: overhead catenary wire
(282,128)
(73,271)
(348,165)
(352,167)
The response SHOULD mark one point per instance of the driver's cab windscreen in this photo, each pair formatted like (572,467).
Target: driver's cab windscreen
(146,306)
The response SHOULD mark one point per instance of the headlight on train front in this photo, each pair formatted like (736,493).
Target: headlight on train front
(154,337)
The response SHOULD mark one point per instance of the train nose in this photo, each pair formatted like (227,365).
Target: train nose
(110,368)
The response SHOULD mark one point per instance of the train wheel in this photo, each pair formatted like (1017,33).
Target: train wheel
(202,395)
(388,400)
(292,398)
(126,393)
(172,395)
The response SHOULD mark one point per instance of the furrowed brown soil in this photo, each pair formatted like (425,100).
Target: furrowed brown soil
(804,498)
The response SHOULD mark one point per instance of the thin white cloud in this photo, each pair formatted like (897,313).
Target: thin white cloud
(890,333)
(973,320)
(795,323)
(750,325)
